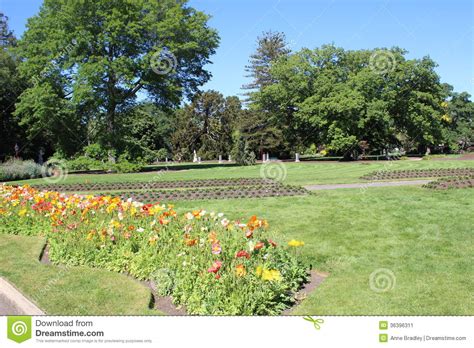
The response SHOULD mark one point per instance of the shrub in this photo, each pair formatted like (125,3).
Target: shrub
(96,151)
(15,169)
(204,261)
(242,153)
(124,166)
(84,163)
(161,154)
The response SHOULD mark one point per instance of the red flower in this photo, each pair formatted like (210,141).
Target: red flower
(272,243)
(243,253)
(216,266)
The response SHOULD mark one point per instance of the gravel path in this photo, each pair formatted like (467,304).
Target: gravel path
(367,185)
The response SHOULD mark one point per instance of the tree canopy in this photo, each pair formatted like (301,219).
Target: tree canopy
(93,60)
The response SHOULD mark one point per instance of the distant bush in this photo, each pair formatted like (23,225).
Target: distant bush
(127,167)
(15,169)
(84,163)
(96,151)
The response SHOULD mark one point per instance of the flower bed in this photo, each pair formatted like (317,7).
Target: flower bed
(451,182)
(155,185)
(204,261)
(417,173)
(220,193)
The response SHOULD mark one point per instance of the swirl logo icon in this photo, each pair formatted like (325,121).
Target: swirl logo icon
(382,62)
(273,171)
(163,62)
(19,328)
(382,280)
(54,171)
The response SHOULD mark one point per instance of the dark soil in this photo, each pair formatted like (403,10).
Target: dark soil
(418,173)
(155,185)
(315,280)
(451,183)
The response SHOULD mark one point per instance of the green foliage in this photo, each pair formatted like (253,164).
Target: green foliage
(242,153)
(161,154)
(270,47)
(330,96)
(84,163)
(15,169)
(96,151)
(11,85)
(205,125)
(87,60)
(124,166)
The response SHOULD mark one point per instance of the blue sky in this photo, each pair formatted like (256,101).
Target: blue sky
(444,30)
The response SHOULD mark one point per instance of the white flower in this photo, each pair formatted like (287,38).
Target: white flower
(202,213)
(120,216)
(189,216)
(225,222)
(220,215)
(140,230)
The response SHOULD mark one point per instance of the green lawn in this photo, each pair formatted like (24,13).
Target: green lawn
(296,173)
(68,291)
(423,236)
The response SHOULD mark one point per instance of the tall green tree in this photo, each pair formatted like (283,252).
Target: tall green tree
(89,61)
(458,118)
(337,98)
(10,87)
(270,47)
(206,126)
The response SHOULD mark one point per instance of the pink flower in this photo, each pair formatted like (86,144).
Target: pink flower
(216,248)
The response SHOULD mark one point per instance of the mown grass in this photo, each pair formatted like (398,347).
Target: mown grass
(293,173)
(71,290)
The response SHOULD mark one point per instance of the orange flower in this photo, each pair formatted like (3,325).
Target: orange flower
(259,245)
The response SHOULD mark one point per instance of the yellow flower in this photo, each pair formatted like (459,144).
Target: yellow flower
(295,243)
(259,271)
(22,212)
(270,275)
(240,270)
(111,207)
(153,240)
(90,235)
